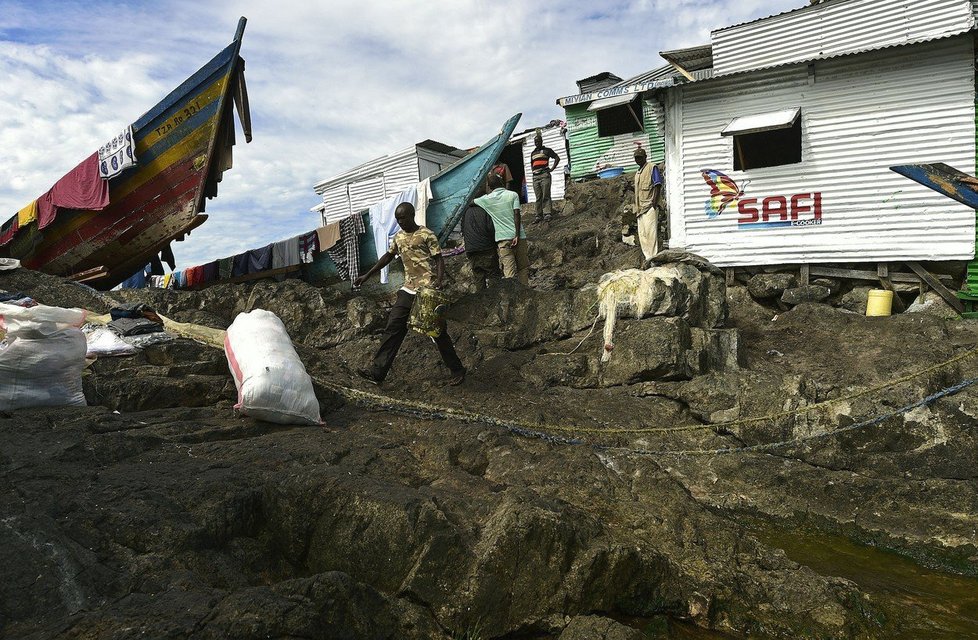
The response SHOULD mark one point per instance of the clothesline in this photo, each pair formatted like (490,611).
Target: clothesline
(340,240)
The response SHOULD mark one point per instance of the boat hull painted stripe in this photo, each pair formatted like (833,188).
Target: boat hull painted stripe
(59,247)
(129,192)
(178,95)
(150,143)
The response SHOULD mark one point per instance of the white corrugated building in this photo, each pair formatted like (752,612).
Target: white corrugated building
(359,188)
(799,123)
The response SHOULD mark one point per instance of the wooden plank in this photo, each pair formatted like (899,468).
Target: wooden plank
(806,272)
(731,276)
(856,274)
(89,274)
(936,285)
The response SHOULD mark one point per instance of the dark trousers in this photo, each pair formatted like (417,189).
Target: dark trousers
(397,328)
(541,189)
(485,266)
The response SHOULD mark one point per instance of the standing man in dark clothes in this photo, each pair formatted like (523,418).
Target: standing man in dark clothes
(418,248)
(479,235)
(540,165)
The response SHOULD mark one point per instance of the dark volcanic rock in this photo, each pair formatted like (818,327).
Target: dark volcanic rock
(855,300)
(54,291)
(807,293)
(193,525)
(510,316)
(181,373)
(326,606)
(656,348)
(598,628)
(769,285)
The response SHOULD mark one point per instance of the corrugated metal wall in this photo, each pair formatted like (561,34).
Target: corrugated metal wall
(427,168)
(836,28)
(364,193)
(860,115)
(431,162)
(359,188)
(971,277)
(553,138)
(587,150)
(336,201)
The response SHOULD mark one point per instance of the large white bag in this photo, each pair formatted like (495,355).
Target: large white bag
(272,383)
(41,357)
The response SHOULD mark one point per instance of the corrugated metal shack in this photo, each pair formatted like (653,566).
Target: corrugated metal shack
(365,185)
(610,117)
(781,153)
(517,156)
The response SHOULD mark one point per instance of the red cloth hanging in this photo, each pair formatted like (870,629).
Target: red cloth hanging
(80,188)
(9,230)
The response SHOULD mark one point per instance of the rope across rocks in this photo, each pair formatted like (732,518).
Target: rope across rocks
(571,435)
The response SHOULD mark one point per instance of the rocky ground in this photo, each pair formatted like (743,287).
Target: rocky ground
(576,500)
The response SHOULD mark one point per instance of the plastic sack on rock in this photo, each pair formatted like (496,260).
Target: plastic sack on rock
(272,383)
(427,311)
(103,341)
(41,357)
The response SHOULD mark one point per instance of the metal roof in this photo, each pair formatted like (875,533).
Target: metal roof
(437,147)
(375,165)
(836,28)
(691,58)
(532,130)
(810,5)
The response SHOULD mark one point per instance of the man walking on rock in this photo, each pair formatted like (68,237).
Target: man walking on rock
(540,165)
(418,247)
(648,184)
(503,207)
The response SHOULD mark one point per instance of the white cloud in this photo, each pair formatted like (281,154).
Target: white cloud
(331,84)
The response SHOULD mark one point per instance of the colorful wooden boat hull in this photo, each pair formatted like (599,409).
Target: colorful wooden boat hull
(183,145)
(451,190)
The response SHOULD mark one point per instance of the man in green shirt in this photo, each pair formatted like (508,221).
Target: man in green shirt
(418,247)
(503,207)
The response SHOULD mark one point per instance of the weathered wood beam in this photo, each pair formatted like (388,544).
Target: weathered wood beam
(936,285)
(856,274)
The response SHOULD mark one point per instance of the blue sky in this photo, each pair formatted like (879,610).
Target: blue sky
(331,84)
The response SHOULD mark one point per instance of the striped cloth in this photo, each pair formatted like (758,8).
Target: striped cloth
(346,252)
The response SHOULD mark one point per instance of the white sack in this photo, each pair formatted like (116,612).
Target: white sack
(41,357)
(272,383)
(40,320)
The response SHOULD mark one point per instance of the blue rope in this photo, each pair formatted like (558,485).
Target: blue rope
(777,445)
